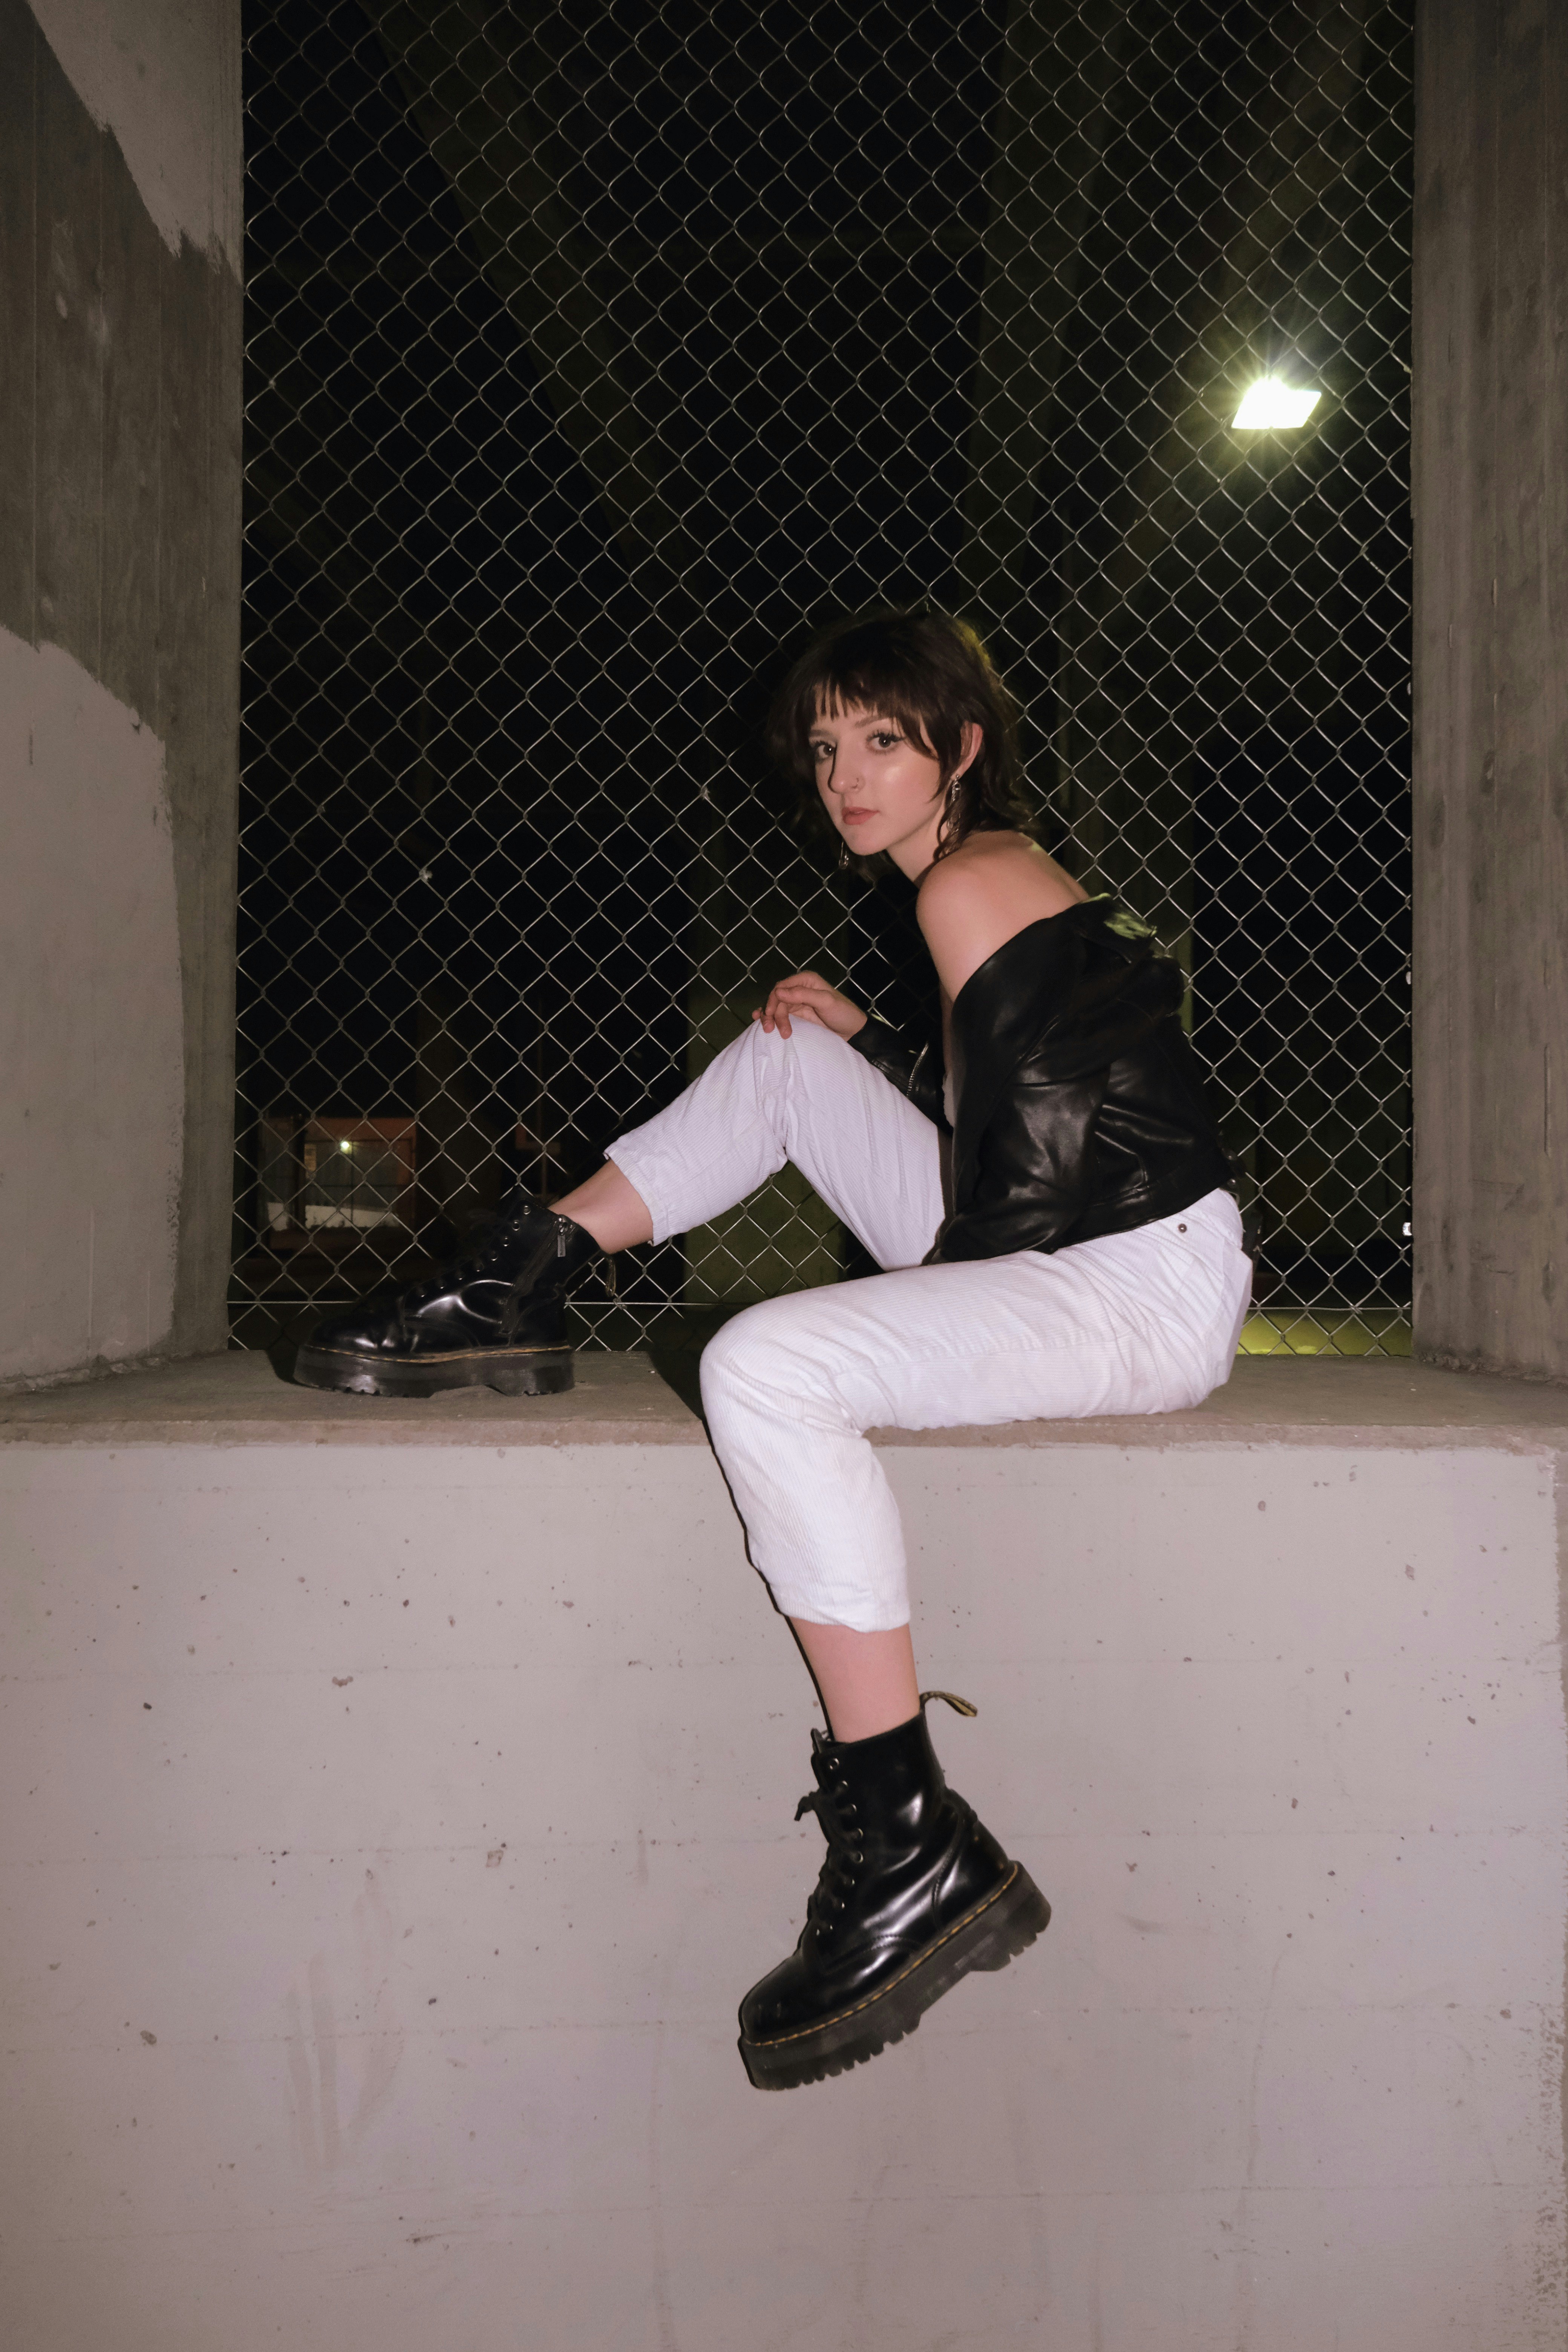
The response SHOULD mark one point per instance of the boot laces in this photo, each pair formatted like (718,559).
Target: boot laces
(845,1853)
(478,1256)
(845,1856)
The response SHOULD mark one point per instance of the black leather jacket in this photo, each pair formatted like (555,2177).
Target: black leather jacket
(1078,1101)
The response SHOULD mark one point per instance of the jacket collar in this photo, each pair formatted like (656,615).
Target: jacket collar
(1010,1003)
(1079,922)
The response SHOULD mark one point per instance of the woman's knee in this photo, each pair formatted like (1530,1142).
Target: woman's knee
(809,1045)
(777,1358)
(819,1049)
(743,1354)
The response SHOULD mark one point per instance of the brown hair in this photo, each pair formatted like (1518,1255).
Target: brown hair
(932,674)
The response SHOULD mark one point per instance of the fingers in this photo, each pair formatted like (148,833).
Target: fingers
(799,989)
(783,998)
(803,996)
(776,1013)
(787,1005)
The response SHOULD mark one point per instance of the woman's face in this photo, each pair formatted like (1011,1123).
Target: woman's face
(882,792)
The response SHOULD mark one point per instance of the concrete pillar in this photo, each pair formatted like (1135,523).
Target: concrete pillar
(1490,460)
(120,414)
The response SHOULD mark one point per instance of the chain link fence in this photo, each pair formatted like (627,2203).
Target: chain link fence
(595,352)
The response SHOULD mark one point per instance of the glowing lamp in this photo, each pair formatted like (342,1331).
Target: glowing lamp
(1267,405)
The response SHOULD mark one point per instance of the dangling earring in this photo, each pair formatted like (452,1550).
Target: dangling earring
(843,856)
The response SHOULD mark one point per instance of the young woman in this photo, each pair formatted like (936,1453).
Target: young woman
(1055,1217)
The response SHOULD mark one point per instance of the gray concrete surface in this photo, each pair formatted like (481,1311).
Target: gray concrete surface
(1490,478)
(162,75)
(237,1398)
(90,1020)
(399,1805)
(120,335)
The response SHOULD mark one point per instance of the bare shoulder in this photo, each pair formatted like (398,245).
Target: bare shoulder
(973,902)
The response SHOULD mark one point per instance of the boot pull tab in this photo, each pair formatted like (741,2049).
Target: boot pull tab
(561,1225)
(958,1705)
(806,1805)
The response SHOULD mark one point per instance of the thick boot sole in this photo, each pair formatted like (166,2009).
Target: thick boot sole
(511,1372)
(994,1933)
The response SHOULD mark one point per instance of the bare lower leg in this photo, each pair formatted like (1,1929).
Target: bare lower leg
(608,1207)
(866,1681)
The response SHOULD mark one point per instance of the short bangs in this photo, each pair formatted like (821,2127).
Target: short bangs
(930,673)
(916,669)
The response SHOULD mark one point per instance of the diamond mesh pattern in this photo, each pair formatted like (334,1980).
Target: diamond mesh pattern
(593,352)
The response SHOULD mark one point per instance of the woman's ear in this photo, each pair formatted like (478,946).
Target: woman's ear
(973,736)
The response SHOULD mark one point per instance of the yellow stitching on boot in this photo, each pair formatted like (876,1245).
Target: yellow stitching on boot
(805,2032)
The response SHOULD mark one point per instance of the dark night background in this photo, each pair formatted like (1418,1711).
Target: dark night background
(594,355)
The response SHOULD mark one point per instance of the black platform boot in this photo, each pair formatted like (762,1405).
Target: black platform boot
(914,1893)
(495,1318)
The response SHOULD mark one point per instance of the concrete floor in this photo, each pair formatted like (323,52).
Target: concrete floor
(401,1799)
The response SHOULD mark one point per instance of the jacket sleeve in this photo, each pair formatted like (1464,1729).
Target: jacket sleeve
(914,1069)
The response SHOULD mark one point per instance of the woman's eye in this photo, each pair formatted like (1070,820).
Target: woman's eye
(886,742)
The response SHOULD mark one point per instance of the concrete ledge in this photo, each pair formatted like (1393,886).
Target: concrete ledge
(400,1797)
(237,1400)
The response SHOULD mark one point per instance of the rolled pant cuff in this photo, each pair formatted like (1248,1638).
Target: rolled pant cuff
(627,1159)
(809,1608)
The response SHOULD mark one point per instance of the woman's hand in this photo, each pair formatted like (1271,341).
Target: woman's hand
(806,996)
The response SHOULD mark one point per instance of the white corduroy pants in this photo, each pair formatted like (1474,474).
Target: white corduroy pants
(1140,1322)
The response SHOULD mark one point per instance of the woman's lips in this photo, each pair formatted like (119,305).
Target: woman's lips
(859,817)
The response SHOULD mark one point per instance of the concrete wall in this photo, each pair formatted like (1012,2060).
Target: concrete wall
(1491,685)
(401,1798)
(119,336)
